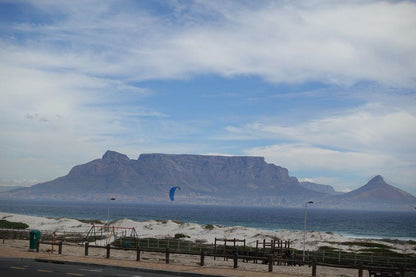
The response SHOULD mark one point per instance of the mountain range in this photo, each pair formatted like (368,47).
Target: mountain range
(205,179)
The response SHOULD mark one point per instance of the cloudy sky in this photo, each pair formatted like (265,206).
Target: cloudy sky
(326,89)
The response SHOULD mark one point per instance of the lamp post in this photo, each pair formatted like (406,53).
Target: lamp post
(108,209)
(304,227)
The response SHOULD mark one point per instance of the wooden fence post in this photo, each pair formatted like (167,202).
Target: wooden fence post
(108,250)
(202,258)
(138,254)
(60,247)
(360,270)
(235,258)
(313,268)
(167,255)
(53,242)
(37,246)
(402,271)
(86,248)
(270,263)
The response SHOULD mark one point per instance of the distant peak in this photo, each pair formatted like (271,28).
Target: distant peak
(377,178)
(377,181)
(113,155)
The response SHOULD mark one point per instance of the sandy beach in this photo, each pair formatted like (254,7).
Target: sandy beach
(195,232)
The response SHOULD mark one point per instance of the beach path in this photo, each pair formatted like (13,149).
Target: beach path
(74,254)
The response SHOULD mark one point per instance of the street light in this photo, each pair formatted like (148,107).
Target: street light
(108,209)
(304,228)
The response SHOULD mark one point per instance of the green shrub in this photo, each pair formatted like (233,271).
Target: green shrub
(365,244)
(180,236)
(12,225)
(91,221)
(209,226)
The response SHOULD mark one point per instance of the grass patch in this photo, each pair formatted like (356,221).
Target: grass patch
(180,236)
(209,227)
(397,241)
(12,225)
(365,244)
(378,251)
(91,221)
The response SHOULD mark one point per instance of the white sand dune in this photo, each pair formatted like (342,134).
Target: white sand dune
(198,232)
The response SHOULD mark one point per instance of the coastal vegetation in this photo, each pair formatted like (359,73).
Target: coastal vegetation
(12,225)
(364,247)
(91,221)
(180,236)
(209,227)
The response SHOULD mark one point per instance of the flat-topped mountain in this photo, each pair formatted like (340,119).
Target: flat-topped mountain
(228,180)
(205,179)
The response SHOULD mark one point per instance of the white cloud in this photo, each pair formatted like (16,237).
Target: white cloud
(297,157)
(289,42)
(338,43)
(53,118)
(385,130)
(362,142)
(349,169)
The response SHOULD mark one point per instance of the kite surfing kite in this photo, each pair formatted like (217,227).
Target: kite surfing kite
(172,193)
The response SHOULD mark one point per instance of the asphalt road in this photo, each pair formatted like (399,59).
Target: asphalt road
(17,267)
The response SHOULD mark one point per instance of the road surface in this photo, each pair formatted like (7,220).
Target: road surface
(17,267)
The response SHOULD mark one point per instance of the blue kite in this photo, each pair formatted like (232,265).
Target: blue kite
(172,193)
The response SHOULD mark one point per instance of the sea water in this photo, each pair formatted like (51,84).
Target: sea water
(370,224)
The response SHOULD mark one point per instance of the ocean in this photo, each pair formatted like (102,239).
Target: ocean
(364,224)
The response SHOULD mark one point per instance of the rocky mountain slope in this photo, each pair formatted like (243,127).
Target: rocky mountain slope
(376,194)
(319,188)
(204,179)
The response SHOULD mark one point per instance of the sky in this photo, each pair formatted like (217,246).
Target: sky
(326,89)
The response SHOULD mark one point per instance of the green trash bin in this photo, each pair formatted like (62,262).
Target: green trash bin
(33,240)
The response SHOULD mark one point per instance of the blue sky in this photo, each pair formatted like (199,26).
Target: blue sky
(326,89)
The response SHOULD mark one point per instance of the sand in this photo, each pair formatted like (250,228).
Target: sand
(195,232)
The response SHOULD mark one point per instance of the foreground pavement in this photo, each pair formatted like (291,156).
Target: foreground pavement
(20,267)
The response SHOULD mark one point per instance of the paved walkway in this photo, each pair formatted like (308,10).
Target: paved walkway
(73,253)
(7,251)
